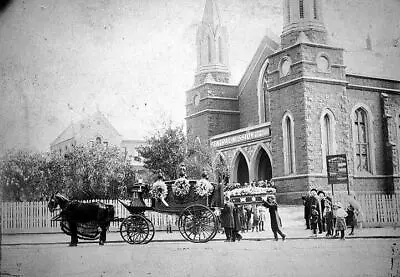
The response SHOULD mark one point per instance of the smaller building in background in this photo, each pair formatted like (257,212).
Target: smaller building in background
(96,130)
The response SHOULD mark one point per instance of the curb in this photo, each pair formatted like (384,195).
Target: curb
(182,240)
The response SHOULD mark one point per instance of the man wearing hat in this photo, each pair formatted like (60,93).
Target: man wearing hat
(276,223)
(227,220)
(314,200)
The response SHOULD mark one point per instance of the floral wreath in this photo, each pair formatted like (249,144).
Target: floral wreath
(159,190)
(182,187)
(203,188)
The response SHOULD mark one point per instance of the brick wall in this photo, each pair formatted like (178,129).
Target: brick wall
(289,99)
(215,120)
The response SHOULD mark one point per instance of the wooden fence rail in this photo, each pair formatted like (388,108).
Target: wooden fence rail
(378,210)
(35,217)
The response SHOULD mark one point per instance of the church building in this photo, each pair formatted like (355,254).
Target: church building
(295,104)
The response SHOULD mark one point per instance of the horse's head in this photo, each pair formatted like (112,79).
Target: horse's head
(53,203)
(57,200)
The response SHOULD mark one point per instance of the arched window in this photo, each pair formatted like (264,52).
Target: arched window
(263,94)
(327,135)
(301,8)
(221,54)
(209,48)
(265,105)
(328,144)
(288,144)
(362,152)
(200,53)
(315,9)
(398,140)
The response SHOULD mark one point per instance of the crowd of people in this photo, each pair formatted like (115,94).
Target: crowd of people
(236,219)
(321,215)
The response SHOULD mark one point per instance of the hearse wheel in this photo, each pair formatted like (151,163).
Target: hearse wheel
(197,223)
(135,229)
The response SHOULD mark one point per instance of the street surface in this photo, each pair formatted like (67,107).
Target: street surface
(300,257)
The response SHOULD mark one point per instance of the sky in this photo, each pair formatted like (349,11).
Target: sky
(134,59)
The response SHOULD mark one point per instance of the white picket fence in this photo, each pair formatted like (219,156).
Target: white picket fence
(378,209)
(35,217)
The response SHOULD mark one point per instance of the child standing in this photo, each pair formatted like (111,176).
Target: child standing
(340,219)
(351,219)
(328,215)
(256,218)
(314,218)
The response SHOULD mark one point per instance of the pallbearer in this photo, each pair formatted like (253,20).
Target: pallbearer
(276,223)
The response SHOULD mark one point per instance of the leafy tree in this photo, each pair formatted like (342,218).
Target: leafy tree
(21,175)
(84,173)
(96,172)
(221,169)
(198,158)
(165,150)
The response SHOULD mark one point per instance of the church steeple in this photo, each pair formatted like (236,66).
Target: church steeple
(211,14)
(303,16)
(212,47)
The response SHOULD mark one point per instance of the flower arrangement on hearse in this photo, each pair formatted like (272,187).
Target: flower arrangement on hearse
(181,189)
(249,193)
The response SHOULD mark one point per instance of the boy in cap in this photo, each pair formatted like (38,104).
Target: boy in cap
(314,219)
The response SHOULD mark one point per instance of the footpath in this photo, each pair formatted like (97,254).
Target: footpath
(293,227)
(175,236)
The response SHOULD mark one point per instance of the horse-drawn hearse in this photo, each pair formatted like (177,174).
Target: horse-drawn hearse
(195,201)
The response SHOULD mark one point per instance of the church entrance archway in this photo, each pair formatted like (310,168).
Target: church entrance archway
(263,166)
(242,169)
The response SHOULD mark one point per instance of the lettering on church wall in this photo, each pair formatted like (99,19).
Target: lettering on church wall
(242,137)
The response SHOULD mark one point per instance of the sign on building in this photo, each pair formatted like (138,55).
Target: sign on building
(336,166)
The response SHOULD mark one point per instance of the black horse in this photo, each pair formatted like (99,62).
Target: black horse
(75,214)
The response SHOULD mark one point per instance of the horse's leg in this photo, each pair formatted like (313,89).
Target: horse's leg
(103,233)
(74,233)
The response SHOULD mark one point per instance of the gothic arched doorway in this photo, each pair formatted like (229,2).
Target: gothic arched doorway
(242,169)
(263,166)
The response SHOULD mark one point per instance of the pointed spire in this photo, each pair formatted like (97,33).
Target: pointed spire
(212,47)
(211,14)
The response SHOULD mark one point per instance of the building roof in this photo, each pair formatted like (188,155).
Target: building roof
(67,134)
(74,128)
(268,45)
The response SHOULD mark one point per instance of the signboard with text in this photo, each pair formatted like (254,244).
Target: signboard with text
(336,166)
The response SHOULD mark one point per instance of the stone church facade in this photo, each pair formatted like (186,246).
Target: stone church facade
(294,105)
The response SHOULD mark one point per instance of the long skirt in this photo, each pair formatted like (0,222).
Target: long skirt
(340,224)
